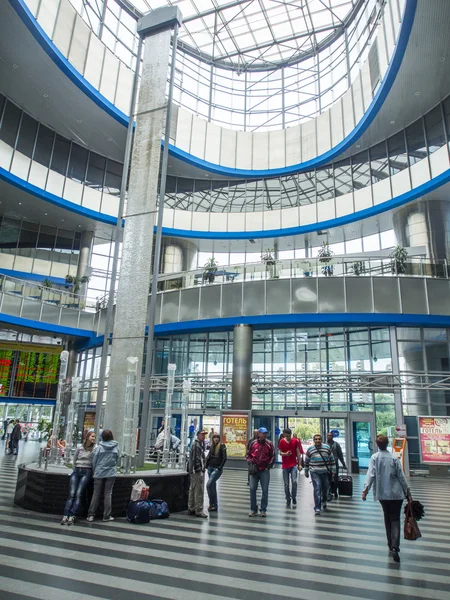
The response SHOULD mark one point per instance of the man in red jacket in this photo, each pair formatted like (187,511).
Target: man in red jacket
(260,458)
(291,451)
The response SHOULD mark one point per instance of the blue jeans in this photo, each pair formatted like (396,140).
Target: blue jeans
(320,485)
(264,478)
(291,473)
(211,486)
(78,483)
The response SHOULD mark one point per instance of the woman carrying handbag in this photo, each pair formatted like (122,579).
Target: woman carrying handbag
(389,488)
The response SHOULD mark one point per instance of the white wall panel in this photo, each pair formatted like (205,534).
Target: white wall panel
(400,183)
(337,124)
(236,221)
(55,183)
(184,128)
(260,150)
(254,221)
(168,217)
(271,219)
(277,149)
(23,263)
(366,86)
(381,191)
(439,161)
(183,219)
(326,210)
(293,145)
(382,56)
(358,99)
(344,205)
(6,153)
(201,221)
(20,165)
(33,5)
(79,46)
(347,110)
(217,222)
(110,205)
(6,261)
(228,148)
(109,75)
(308,214)
(94,61)
(123,91)
(212,148)
(92,199)
(420,172)
(323,133)
(59,270)
(38,175)
(244,150)
(42,266)
(390,34)
(47,15)
(309,142)
(73,191)
(290,217)
(363,198)
(198,137)
(64,27)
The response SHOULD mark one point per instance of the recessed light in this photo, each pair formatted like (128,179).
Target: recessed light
(110,139)
(358,145)
(45,95)
(20,203)
(391,122)
(442,59)
(62,220)
(79,225)
(45,214)
(15,66)
(417,94)
(79,121)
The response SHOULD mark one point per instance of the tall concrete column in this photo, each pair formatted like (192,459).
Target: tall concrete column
(241,385)
(84,258)
(134,281)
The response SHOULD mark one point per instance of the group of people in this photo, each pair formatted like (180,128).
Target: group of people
(12,434)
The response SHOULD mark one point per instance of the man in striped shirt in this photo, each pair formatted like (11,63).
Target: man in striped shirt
(320,461)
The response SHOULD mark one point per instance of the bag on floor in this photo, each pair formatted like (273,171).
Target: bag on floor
(345,485)
(139,491)
(138,512)
(159,509)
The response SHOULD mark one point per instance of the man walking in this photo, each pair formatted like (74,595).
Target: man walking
(338,456)
(5,427)
(197,466)
(260,459)
(291,452)
(320,461)
(16,436)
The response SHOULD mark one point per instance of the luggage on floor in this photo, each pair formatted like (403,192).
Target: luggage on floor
(345,485)
(139,491)
(139,512)
(159,509)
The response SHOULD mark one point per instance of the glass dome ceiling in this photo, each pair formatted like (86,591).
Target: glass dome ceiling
(253,35)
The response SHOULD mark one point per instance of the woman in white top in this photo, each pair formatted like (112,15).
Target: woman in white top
(81,475)
(390,488)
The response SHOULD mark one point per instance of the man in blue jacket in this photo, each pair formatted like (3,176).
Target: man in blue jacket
(104,470)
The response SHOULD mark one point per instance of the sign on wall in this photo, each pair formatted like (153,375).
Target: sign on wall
(434,440)
(234,427)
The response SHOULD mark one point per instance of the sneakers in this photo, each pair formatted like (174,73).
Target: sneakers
(294,503)
(254,513)
(316,512)
(90,519)
(201,515)
(64,520)
(71,521)
(263,513)
(108,519)
(324,506)
(288,505)
(395,555)
(191,513)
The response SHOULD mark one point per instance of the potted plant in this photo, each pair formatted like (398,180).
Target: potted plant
(76,281)
(268,258)
(398,257)
(47,283)
(359,268)
(210,270)
(44,428)
(325,255)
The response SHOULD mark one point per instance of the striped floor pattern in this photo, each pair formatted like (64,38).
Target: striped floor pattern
(340,555)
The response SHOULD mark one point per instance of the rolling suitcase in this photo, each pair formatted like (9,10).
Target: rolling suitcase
(345,485)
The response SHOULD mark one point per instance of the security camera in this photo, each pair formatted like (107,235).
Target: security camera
(296,413)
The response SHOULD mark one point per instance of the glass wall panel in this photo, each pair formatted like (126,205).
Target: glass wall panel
(27,135)
(378,162)
(10,124)
(113,177)
(60,155)
(415,139)
(343,177)
(398,158)
(44,145)
(361,170)
(77,163)
(434,128)
(96,171)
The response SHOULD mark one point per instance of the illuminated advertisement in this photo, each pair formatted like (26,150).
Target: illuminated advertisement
(235,433)
(434,439)
(6,363)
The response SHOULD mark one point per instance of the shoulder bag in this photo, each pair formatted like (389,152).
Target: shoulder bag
(253,467)
(411,530)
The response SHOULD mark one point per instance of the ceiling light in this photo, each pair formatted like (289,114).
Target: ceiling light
(79,121)
(20,203)
(62,220)
(442,59)
(15,66)
(391,122)
(110,139)
(45,214)
(358,145)
(45,95)
(417,94)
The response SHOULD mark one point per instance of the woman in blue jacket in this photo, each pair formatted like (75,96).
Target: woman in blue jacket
(104,468)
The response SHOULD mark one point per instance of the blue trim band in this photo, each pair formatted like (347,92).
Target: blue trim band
(32,276)
(25,186)
(47,327)
(12,400)
(396,60)
(61,61)
(417,192)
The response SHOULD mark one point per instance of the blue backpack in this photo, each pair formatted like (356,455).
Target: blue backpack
(159,509)
(139,512)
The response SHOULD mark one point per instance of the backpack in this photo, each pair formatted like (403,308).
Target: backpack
(159,509)
(139,512)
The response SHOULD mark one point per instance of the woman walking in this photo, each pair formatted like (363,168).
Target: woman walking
(104,469)
(215,462)
(81,476)
(390,488)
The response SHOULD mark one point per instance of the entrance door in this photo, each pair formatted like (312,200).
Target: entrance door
(363,435)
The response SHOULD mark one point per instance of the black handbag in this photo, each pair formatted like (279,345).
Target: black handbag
(253,467)
(411,530)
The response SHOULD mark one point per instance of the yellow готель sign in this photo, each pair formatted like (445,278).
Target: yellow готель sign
(235,434)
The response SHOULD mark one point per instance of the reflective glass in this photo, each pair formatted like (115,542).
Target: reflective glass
(398,158)
(77,163)
(96,171)
(415,139)
(434,128)
(10,124)
(27,135)
(60,155)
(378,162)
(44,145)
